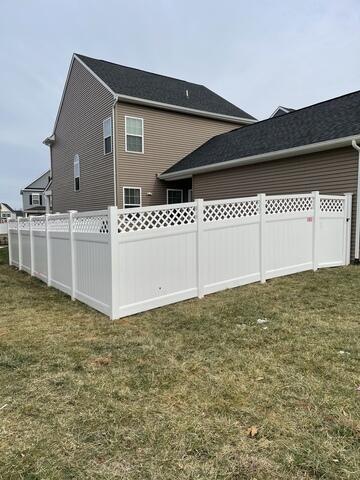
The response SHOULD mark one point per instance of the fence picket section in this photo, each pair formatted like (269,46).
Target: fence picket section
(126,261)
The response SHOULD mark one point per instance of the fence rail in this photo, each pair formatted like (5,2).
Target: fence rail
(122,262)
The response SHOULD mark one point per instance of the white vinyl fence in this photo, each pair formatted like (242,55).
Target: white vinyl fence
(3,227)
(121,262)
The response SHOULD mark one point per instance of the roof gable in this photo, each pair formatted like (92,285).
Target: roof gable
(40,183)
(281,111)
(140,84)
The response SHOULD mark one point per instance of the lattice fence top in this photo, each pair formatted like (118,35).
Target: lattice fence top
(12,225)
(58,224)
(24,224)
(332,205)
(224,211)
(289,205)
(133,221)
(91,223)
(38,224)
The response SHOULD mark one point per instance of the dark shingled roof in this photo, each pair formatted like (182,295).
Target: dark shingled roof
(150,86)
(329,120)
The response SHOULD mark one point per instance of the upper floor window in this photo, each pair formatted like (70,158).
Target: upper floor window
(76,173)
(134,135)
(107,135)
(132,197)
(35,199)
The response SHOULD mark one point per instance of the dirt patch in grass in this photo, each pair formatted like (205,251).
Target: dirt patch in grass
(175,393)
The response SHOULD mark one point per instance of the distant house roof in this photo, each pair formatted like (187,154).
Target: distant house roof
(135,83)
(40,183)
(7,206)
(281,111)
(318,126)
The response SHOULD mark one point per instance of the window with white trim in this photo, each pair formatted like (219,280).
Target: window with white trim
(107,135)
(174,195)
(132,197)
(76,173)
(36,199)
(134,135)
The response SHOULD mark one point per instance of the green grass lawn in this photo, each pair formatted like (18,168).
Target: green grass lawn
(171,394)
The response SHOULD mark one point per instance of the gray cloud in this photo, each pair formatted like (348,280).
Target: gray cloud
(258,55)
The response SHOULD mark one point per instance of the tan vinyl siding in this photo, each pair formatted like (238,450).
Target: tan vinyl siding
(168,137)
(331,172)
(80,131)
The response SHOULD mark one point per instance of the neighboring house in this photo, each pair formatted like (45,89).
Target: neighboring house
(281,111)
(305,150)
(6,212)
(36,197)
(118,128)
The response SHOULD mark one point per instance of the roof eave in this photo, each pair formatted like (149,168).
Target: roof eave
(264,157)
(190,111)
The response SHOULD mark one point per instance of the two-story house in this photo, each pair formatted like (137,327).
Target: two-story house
(118,128)
(36,197)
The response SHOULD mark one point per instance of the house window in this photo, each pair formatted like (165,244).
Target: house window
(35,199)
(107,135)
(132,197)
(174,195)
(134,135)
(190,195)
(76,173)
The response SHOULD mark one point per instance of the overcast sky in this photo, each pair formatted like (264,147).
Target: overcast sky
(255,54)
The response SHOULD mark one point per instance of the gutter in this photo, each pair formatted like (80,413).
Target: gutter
(357,222)
(263,157)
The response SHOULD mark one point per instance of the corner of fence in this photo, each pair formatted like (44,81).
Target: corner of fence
(114,262)
(348,212)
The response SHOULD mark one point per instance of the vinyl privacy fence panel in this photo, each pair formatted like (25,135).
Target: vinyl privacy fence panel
(122,262)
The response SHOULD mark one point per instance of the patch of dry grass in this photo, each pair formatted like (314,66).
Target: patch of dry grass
(171,394)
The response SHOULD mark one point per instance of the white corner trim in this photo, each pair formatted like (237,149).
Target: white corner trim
(264,157)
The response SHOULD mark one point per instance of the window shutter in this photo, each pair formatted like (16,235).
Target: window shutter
(30,199)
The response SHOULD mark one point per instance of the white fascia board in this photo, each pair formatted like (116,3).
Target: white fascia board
(264,157)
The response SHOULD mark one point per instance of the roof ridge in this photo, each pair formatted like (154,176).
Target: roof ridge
(140,70)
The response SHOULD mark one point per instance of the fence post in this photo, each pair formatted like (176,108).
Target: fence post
(316,229)
(72,254)
(48,250)
(19,244)
(9,241)
(262,236)
(114,261)
(31,247)
(200,246)
(348,214)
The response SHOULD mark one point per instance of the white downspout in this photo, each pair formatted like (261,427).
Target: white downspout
(357,224)
(114,136)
